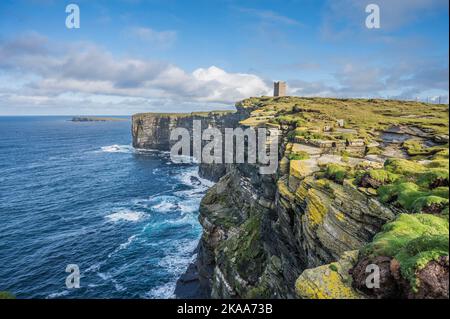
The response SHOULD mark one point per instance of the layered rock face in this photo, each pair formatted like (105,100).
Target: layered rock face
(234,252)
(261,232)
(302,232)
(152,131)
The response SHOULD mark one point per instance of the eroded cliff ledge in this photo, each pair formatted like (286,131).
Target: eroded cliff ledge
(359,182)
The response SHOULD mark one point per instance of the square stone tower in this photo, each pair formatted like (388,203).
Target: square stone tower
(279,88)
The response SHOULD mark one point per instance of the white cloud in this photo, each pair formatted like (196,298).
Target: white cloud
(162,39)
(229,86)
(269,16)
(34,72)
(407,80)
(89,70)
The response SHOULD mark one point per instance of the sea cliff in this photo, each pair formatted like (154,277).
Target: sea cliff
(359,182)
(152,131)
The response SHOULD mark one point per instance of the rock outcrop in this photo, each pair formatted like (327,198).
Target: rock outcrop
(152,131)
(330,281)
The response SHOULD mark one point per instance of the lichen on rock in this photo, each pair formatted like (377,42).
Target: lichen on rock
(330,281)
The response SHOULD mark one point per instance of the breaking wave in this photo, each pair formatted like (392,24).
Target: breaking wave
(117,149)
(126,215)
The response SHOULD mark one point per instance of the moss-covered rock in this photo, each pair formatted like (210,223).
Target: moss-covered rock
(302,168)
(403,166)
(331,281)
(299,156)
(438,163)
(375,178)
(337,172)
(434,177)
(414,241)
(416,148)
(316,209)
(442,154)
(411,197)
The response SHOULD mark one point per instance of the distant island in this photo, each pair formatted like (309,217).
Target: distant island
(96,119)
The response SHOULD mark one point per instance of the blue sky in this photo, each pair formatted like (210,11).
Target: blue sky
(152,55)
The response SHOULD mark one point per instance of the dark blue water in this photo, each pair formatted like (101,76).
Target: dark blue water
(77,193)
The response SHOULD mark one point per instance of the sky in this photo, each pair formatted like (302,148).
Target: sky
(131,56)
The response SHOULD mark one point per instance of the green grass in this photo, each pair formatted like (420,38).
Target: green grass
(309,135)
(411,197)
(428,200)
(383,176)
(299,156)
(414,240)
(413,186)
(416,148)
(403,167)
(441,192)
(439,163)
(182,115)
(432,177)
(363,114)
(442,154)
(374,151)
(337,172)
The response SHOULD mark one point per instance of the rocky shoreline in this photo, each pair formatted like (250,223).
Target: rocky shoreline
(188,285)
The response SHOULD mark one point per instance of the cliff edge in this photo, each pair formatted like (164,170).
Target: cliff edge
(359,183)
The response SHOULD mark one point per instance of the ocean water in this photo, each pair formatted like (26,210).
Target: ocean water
(78,193)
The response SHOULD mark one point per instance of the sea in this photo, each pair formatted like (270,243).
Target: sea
(78,193)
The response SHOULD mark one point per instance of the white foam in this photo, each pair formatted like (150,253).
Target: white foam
(58,294)
(119,287)
(117,149)
(166,291)
(93,285)
(189,205)
(184,201)
(124,245)
(95,267)
(150,150)
(179,159)
(167,204)
(178,257)
(103,276)
(187,176)
(187,219)
(126,215)
(127,243)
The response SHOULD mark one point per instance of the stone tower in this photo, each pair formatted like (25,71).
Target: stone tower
(279,88)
